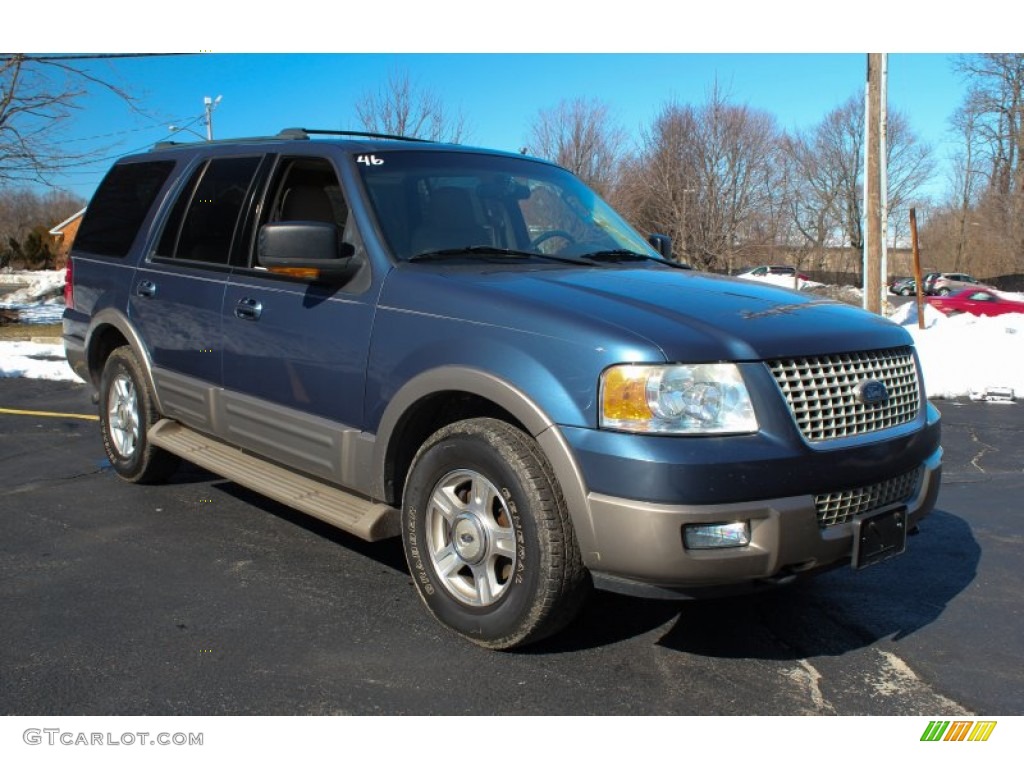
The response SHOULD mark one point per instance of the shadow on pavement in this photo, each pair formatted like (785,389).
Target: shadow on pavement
(829,614)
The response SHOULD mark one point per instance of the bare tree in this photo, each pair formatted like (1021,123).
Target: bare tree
(965,183)
(580,134)
(994,110)
(658,184)
(38,98)
(402,107)
(812,190)
(708,177)
(910,164)
(825,169)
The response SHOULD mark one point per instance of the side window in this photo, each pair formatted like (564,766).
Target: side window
(204,219)
(306,189)
(119,207)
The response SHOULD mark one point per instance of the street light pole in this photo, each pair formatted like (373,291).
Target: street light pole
(686,223)
(210,105)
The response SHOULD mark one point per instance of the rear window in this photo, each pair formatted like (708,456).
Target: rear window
(119,207)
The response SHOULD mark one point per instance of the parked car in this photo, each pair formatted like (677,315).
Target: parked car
(944,283)
(772,269)
(470,350)
(975,301)
(903,286)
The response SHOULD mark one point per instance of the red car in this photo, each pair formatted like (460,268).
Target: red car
(975,301)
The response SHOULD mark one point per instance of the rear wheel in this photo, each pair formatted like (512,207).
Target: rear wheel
(487,536)
(127,413)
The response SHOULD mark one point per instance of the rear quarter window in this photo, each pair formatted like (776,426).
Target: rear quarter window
(119,207)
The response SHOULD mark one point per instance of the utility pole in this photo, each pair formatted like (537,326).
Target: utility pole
(210,105)
(873,180)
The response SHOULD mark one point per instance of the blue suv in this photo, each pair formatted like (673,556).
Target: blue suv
(471,350)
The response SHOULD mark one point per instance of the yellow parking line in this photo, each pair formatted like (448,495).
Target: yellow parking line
(50,414)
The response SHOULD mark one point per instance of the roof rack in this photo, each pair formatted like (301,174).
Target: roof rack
(243,140)
(288,134)
(305,133)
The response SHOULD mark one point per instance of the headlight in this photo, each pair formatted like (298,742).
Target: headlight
(708,398)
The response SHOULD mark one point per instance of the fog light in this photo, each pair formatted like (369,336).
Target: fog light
(716,535)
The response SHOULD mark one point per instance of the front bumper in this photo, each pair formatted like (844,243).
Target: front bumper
(642,542)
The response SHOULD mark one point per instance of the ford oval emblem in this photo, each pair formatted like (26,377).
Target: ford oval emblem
(871,392)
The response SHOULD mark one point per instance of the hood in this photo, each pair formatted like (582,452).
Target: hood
(686,316)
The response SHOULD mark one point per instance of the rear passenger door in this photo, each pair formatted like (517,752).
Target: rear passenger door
(177,292)
(295,349)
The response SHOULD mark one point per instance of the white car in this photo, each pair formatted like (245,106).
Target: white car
(772,269)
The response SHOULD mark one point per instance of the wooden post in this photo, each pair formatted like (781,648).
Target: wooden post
(919,293)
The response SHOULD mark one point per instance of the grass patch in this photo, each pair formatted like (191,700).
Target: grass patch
(24,332)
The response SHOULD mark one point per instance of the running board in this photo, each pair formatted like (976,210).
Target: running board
(363,518)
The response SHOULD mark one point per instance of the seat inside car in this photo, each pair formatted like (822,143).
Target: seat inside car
(307,203)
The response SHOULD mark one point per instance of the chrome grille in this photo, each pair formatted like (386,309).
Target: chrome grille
(843,506)
(821,395)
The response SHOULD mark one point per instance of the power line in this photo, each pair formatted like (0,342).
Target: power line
(155,124)
(143,148)
(89,56)
(67,168)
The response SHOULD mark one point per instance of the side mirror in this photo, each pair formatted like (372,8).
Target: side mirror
(662,244)
(306,249)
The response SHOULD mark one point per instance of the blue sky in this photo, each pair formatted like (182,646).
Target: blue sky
(499,94)
(498,64)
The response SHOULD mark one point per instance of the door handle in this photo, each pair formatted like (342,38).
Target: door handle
(248,309)
(146,289)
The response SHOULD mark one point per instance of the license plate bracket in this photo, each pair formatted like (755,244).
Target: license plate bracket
(879,536)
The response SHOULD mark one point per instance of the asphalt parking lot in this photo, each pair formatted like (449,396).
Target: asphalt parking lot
(199,597)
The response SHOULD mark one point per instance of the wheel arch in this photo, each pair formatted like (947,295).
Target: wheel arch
(109,330)
(436,398)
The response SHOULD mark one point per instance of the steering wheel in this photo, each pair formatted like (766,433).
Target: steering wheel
(542,238)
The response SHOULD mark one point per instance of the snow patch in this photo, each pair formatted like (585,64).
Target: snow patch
(34,360)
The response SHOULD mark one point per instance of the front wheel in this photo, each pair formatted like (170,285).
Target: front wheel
(127,413)
(489,542)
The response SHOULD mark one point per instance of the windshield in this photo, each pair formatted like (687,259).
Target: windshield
(450,203)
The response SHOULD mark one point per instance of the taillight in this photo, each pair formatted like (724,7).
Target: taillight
(69,287)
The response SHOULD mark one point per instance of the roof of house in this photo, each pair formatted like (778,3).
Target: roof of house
(59,229)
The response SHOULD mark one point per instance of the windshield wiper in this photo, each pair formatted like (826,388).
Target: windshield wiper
(624,254)
(443,254)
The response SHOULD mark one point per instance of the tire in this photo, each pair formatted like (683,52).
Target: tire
(943,291)
(502,573)
(905,292)
(127,413)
